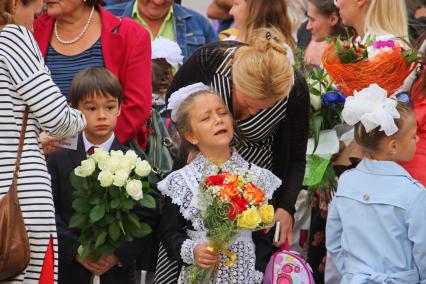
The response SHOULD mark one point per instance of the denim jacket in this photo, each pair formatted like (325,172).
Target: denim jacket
(192,29)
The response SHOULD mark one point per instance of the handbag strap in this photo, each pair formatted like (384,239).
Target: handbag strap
(21,145)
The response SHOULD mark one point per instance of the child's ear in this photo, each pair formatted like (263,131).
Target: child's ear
(190,137)
(119,109)
(392,147)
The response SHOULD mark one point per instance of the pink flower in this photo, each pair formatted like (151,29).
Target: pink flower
(384,43)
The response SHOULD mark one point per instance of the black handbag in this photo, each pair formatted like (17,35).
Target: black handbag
(161,150)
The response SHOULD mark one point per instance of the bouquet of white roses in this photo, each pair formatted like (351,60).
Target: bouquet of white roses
(108,186)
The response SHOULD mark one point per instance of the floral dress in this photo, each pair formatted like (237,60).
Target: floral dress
(182,228)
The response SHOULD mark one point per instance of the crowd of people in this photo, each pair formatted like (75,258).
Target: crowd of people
(234,95)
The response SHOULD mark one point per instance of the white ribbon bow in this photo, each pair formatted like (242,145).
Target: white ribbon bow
(373,108)
(180,95)
(167,49)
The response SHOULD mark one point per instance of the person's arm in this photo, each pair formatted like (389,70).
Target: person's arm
(334,264)
(33,83)
(67,239)
(297,121)
(217,12)
(416,215)
(171,233)
(136,82)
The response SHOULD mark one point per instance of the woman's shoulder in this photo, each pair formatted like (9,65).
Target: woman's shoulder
(21,36)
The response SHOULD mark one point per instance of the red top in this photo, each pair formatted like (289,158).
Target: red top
(126,48)
(417,167)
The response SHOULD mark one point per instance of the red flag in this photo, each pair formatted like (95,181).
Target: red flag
(47,270)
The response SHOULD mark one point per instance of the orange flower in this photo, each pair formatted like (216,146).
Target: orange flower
(253,194)
(228,191)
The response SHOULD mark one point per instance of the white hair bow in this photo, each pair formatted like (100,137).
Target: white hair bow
(373,108)
(182,94)
(167,49)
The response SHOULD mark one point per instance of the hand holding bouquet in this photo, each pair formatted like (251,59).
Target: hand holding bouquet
(108,187)
(231,203)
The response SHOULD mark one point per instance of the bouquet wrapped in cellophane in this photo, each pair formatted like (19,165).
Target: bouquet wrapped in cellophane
(108,187)
(230,203)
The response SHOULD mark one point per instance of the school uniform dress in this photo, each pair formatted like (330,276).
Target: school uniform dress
(25,81)
(375,227)
(181,227)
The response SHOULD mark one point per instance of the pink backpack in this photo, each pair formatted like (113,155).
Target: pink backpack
(287,267)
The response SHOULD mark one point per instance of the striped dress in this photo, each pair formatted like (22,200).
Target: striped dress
(25,81)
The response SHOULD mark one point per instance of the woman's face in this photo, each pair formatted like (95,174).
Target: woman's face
(320,25)
(58,8)
(238,11)
(349,11)
(252,105)
(25,14)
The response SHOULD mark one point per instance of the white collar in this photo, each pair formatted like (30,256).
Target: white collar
(105,146)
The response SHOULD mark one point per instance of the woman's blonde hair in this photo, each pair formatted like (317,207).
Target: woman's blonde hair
(261,69)
(264,14)
(386,17)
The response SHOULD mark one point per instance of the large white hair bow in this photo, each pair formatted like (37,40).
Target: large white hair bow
(167,49)
(373,108)
(182,94)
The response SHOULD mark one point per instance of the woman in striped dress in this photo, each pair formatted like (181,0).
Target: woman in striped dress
(272,118)
(25,82)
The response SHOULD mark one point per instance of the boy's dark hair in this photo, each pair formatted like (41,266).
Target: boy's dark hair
(94,80)
(370,141)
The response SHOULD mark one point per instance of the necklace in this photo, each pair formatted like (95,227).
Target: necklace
(77,38)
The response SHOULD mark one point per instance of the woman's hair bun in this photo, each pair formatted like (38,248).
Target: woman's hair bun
(266,39)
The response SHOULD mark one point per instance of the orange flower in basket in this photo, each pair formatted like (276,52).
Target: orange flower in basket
(228,191)
(388,69)
(253,194)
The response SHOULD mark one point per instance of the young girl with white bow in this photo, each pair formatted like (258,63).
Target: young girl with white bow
(204,122)
(375,226)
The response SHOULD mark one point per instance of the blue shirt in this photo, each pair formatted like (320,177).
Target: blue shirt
(63,68)
(376,231)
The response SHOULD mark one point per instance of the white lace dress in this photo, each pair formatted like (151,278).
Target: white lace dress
(182,187)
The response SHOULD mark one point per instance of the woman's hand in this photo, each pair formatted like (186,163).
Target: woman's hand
(204,256)
(286,228)
(47,143)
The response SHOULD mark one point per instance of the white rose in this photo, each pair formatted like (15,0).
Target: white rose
(86,168)
(142,168)
(100,155)
(134,189)
(119,154)
(106,178)
(120,177)
(111,164)
(315,101)
(131,156)
(126,164)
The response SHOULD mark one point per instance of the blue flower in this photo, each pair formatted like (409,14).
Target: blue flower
(333,98)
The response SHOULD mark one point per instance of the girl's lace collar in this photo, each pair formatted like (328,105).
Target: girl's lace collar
(235,164)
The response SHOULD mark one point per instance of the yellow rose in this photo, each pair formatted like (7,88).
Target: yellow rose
(249,219)
(266,212)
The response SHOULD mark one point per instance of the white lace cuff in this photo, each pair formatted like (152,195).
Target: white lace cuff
(187,251)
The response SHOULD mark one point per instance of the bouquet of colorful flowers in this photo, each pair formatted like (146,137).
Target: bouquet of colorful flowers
(231,203)
(354,65)
(108,186)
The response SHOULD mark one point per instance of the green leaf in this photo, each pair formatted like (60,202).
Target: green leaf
(133,219)
(114,231)
(97,212)
(106,249)
(115,203)
(128,204)
(143,231)
(76,181)
(317,122)
(148,201)
(100,240)
(81,205)
(77,221)
(114,192)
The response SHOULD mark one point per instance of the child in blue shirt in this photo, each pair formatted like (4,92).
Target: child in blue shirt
(375,227)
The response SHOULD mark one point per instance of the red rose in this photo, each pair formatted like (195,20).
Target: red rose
(357,54)
(237,205)
(216,180)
